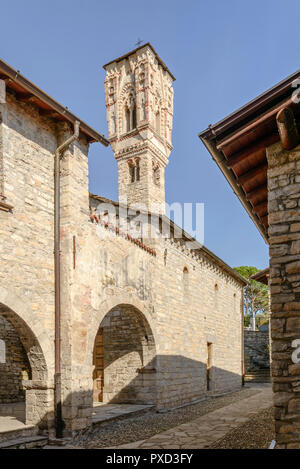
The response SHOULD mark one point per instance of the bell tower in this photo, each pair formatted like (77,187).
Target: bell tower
(139,104)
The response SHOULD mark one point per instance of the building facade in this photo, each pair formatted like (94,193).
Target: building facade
(143,319)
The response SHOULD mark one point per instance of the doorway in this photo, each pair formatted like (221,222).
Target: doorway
(98,362)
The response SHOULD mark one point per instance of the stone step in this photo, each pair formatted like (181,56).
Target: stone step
(59,441)
(258,378)
(27,442)
(23,431)
(118,412)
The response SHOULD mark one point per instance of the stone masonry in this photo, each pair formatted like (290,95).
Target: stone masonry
(139,103)
(14,367)
(256,350)
(284,238)
(159,302)
(129,348)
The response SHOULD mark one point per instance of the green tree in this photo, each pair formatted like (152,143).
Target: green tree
(256,295)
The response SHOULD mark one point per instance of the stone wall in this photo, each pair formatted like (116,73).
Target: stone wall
(183,314)
(15,366)
(284,238)
(256,350)
(28,142)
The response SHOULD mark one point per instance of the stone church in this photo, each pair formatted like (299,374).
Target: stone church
(91,312)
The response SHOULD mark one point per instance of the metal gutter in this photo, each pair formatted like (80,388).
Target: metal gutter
(252,107)
(29,87)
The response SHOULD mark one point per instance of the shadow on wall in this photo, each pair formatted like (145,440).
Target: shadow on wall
(124,353)
(128,370)
(173,380)
(167,382)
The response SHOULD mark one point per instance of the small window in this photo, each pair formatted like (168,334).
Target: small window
(209,366)
(156,173)
(127,119)
(2,351)
(130,114)
(134,170)
(185,282)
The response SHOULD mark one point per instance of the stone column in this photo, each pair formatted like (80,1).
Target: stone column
(39,404)
(76,376)
(284,239)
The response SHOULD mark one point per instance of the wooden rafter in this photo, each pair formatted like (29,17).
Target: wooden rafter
(253,174)
(253,151)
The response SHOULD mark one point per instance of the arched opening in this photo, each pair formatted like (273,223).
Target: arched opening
(133,117)
(14,365)
(124,358)
(23,373)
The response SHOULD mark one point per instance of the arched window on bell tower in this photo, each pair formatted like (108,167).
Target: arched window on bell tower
(130,112)
(134,170)
(133,118)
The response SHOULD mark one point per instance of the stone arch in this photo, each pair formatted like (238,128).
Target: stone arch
(111,303)
(18,312)
(124,354)
(38,406)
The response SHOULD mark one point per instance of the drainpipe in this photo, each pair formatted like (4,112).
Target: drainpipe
(59,424)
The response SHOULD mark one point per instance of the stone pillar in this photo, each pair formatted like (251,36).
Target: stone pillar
(284,239)
(39,404)
(76,376)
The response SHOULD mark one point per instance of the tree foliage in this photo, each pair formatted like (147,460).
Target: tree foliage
(256,295)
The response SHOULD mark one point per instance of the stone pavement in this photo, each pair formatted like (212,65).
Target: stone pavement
(204,431)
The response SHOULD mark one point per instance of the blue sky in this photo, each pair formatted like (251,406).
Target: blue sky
(222,53)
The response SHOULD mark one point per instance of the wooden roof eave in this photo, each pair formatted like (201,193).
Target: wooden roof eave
(233,181)
(252,108)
